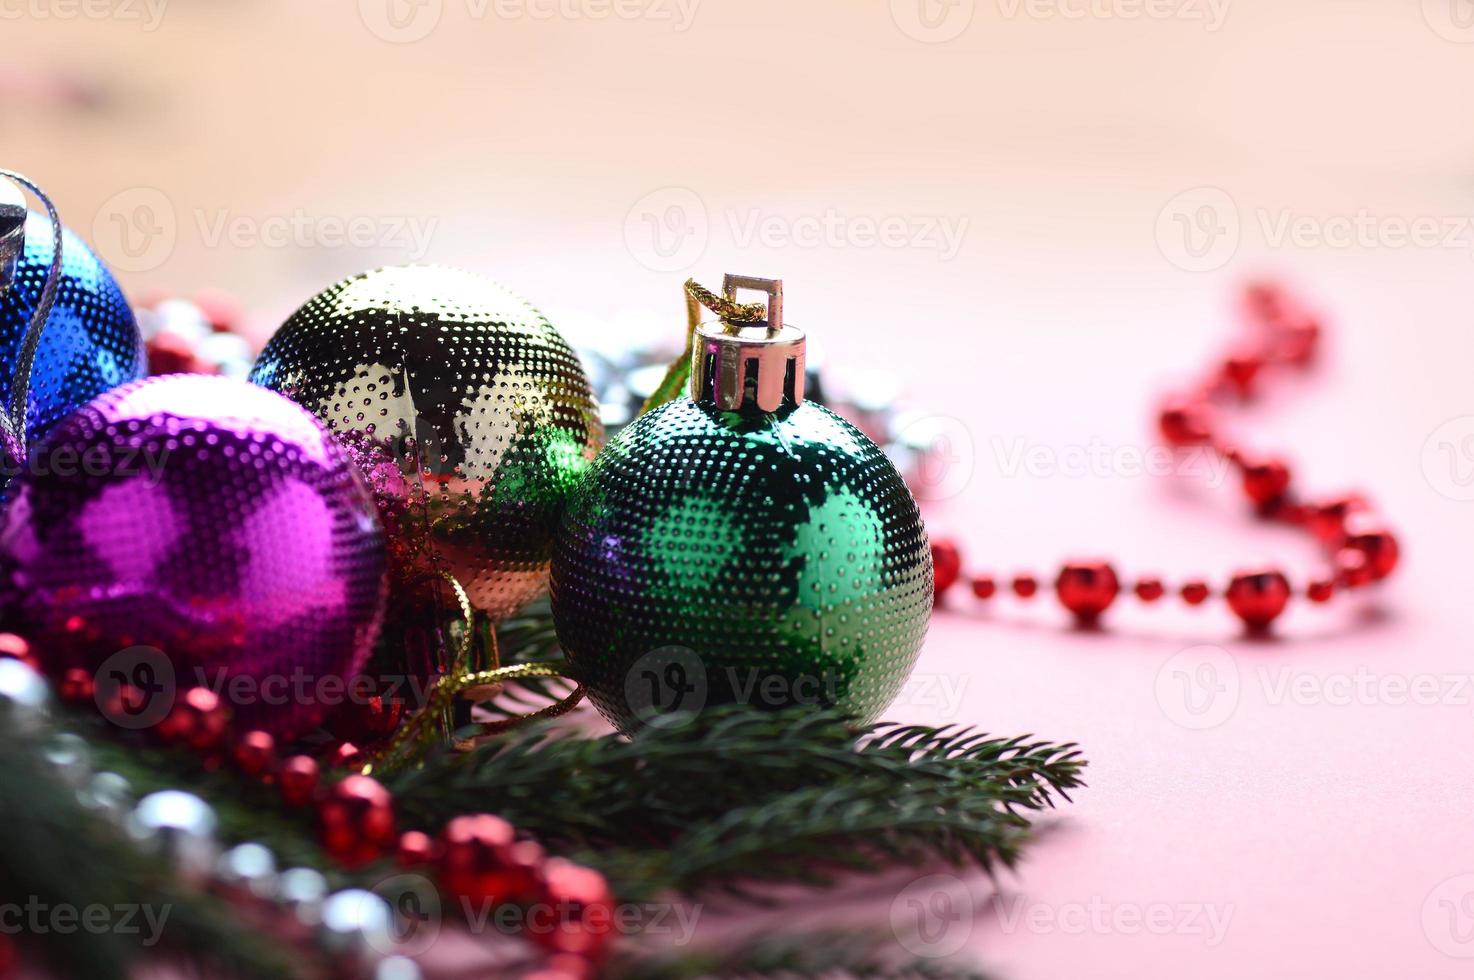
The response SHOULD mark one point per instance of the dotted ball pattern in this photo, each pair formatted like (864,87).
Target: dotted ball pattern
(470,415)
(212,520)
(91,342)
(785,552)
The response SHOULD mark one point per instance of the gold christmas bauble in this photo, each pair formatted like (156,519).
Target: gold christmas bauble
(469,415)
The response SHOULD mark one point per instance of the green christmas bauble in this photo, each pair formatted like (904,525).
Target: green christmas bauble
(721,552)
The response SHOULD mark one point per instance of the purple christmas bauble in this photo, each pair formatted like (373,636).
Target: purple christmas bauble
(213,521)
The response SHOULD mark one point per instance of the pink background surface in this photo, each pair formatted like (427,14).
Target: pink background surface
(1330,835)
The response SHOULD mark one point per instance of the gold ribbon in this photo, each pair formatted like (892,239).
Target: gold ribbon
(419,732)
(678,375)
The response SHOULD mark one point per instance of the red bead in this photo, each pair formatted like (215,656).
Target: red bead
(297,779)
(1241,372)
(1149,589)
(169,353)
(583,923)
(1258,597)
(416,848)
(1185,423)
(1024,586)
(1353,570)
(356,821)
(1297,338)
(1195,593)
(1328,521)
(1264,300)
(222,310)
(1321,590)
(367,717)
(1267,481)
(198,719)
(254,753)
(18,648)
(1379,548)
(482,862)
(343,755)
(1087,589)
(946,564)
(983,586)
(76,686)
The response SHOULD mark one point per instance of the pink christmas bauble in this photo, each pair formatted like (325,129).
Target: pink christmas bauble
(208,519)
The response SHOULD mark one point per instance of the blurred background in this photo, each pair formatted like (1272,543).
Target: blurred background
(1025,217)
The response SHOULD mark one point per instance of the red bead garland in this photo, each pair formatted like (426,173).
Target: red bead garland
(569,908)
(1283,335)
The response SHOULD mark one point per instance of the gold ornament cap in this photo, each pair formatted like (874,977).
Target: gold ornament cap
(739,364)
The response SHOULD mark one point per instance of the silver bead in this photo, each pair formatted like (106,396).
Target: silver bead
(227,350)
(357,924)
(179,317)
(301,893)
(71,757)
(179,826)
(24,692)
(397,968)
(249,868)
(107,793)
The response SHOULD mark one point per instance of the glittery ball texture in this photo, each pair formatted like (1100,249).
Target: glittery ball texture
(90,343)
(466,410)
(714,557)
(212,521)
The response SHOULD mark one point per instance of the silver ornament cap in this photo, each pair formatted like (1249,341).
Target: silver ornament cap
(737,366)
(12,231)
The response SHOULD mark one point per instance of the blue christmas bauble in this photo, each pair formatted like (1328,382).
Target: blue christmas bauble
(90,343)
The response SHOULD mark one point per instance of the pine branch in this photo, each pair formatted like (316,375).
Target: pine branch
(738,790)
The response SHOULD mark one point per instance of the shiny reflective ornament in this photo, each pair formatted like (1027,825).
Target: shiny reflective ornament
(178,826)
(357,924)
(24,696)
(90,342)
(741,544)
(212,520)
(468,412)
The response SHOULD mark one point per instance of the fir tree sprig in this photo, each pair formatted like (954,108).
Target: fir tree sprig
(739,794)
